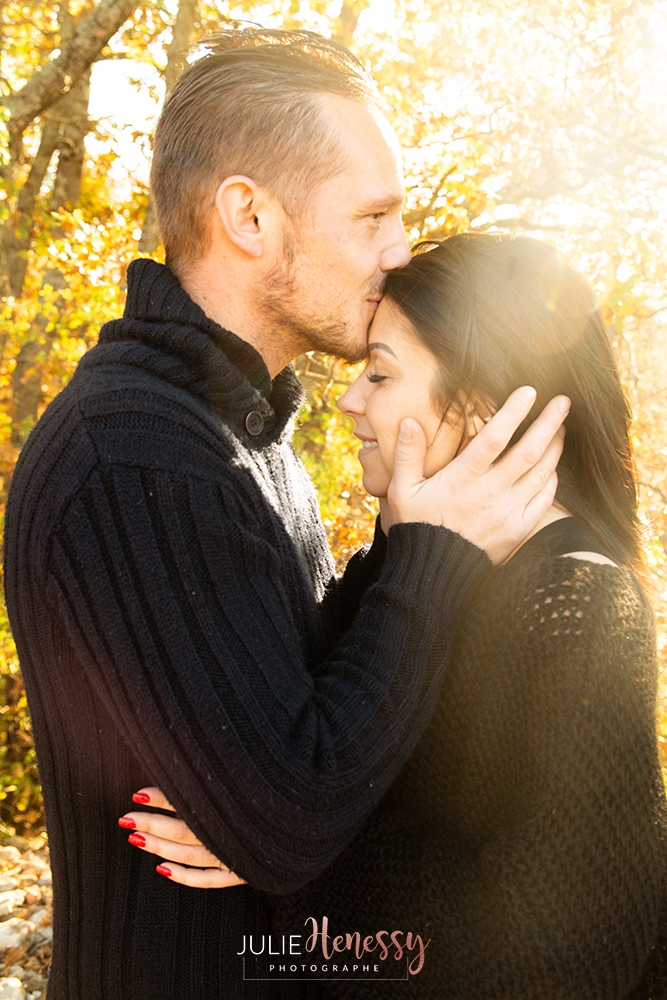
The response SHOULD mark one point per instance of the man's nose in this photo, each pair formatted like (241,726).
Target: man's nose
(397,253)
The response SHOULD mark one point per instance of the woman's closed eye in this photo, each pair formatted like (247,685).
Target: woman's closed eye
(373,377)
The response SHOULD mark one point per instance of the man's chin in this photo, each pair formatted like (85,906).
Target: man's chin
(340,344)
(353,357)
(355,347)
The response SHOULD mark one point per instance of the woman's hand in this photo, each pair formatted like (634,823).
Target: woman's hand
(173,840)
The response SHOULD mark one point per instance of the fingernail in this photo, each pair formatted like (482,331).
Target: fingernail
(163,870)
(137,840)
(406,431)
(564,405)
(141,797)
(529,394)
(127,823)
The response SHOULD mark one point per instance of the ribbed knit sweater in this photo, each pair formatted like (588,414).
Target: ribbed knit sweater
(179,624)
(526,836)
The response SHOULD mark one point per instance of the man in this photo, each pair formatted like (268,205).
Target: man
(167,574)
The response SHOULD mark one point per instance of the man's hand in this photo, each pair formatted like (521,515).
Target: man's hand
(173,840)
(493,503)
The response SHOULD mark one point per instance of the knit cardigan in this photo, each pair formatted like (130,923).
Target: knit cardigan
(178,623)
(526,837)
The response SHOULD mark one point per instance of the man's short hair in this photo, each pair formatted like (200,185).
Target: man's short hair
(248,106)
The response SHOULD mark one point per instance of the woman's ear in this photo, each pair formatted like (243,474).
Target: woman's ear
(243,210)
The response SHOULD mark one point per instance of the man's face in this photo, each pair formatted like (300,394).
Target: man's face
(327,286)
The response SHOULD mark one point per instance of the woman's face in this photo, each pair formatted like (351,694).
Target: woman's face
(397,382)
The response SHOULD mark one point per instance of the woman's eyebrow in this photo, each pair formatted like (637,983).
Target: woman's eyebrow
(377,346)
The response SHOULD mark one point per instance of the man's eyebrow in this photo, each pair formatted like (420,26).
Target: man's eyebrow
(377,346)
(383,204)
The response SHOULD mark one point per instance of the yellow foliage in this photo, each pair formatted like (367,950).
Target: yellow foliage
(542,117)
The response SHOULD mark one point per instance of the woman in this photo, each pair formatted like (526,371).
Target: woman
(526,836)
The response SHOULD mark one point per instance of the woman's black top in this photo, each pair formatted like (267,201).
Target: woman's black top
(526,835)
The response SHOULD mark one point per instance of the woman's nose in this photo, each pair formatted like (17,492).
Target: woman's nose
(352,402)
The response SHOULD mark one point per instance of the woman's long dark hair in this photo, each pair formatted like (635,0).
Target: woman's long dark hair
(498,312)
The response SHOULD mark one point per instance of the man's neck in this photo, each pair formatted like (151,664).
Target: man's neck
(232,312)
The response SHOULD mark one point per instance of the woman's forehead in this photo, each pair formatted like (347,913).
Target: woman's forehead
(391,332)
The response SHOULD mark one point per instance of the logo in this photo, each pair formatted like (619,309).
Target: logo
(383,955)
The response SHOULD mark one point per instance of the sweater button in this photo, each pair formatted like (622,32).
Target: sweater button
(254,423)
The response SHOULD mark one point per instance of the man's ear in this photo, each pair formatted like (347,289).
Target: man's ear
(243,208)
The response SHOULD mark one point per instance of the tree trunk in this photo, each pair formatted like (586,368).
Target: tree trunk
(65,128)
(17,232)
(72,113)
(177,51)
(346,22)
(61,85)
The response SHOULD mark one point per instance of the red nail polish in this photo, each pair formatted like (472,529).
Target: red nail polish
(127,823)
(141,798)
(137,840)
(163,870)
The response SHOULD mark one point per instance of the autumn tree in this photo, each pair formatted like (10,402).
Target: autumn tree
(537,116)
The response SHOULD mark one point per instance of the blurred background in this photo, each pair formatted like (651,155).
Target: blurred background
(546,118)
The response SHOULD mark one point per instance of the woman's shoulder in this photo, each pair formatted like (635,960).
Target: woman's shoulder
(570,618)
(560,645)
(589,580)
(563,573)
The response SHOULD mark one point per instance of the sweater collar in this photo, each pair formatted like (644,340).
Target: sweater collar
(163,330)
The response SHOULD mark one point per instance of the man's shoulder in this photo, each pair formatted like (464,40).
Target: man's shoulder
(131,414)
(122,417)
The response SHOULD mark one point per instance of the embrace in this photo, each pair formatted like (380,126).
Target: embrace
(439,769)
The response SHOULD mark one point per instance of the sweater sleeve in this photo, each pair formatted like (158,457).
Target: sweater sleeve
(540,872)
(175,608)
(344,594)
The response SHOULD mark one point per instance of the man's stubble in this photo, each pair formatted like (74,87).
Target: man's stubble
(288,309)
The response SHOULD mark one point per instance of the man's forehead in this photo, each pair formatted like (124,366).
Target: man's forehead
(370,179)
(362,126)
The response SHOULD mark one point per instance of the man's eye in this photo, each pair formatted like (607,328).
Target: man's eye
(375,378)
(377,216)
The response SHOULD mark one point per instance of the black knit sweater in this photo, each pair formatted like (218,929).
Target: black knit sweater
(526,836)
(178,624)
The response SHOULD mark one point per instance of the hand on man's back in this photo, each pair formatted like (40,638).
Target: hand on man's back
(493,502)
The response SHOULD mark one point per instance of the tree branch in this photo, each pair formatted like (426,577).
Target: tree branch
(45,86)
(109,56)
(421,214)
(654,489)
